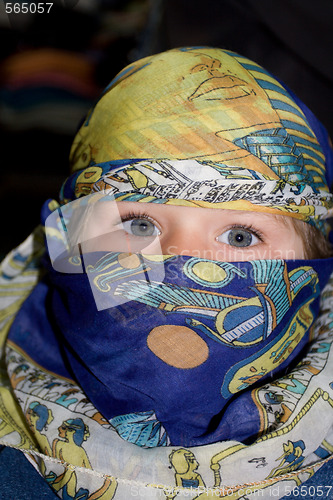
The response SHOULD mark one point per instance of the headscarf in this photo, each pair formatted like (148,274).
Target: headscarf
(219,109)
(213,363)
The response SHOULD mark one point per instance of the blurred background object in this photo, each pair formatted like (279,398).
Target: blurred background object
(54,64)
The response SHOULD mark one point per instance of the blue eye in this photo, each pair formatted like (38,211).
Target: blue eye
(140,227)
(238,237)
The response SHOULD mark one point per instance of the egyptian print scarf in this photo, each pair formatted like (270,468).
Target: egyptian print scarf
(131,374)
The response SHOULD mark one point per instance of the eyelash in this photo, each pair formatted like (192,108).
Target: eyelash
(249,228)
(132,215)
(143,215)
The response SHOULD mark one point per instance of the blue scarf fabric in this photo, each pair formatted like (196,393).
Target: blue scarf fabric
(175,361)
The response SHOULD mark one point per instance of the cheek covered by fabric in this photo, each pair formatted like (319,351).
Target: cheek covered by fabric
(177,352)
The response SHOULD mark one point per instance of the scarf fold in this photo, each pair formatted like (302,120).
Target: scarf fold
(69,440)
(205,333)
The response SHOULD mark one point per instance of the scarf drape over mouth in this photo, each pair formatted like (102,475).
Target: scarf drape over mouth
(206,363)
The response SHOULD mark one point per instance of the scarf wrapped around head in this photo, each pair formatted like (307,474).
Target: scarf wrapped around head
(216,108)
(206,363)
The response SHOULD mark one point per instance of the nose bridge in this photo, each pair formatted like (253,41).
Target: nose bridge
(186,239)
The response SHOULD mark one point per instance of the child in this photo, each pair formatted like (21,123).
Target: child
(177,342)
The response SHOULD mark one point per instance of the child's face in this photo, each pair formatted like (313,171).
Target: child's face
(216,234)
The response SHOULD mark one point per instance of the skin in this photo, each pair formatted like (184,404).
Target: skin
(215,234)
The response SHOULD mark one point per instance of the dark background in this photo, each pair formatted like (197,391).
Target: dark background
(53,66)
